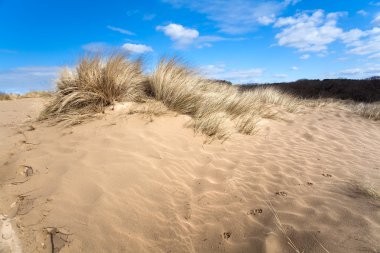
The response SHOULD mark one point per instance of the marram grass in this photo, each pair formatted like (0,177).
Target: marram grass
(218,110)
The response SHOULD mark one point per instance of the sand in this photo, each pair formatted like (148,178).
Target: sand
(123,183)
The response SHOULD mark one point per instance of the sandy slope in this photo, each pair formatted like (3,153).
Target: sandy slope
(123,184)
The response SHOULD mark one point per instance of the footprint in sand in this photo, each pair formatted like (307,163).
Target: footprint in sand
(183,200)
(308,136)
(25,205)
(282,193)
(187,211)
(28,170)
(58,238)
(273,243)
(226,235)
(255,211)
(9,241)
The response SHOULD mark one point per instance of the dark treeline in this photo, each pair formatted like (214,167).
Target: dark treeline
(366,90)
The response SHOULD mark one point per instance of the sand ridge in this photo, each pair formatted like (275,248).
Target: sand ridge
(124,184)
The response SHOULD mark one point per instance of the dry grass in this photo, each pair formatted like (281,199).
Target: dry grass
(367,110)
(365,190)
(94,85)
(36,94)
(217,109)
(5,96)
(149,109)
(31,94)
(281,228)
(214,125)
(178,87)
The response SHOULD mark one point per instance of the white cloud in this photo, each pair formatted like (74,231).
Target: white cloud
(238,16)
(285,21)
(375,3)
(322,54)
(292,2)
(23,79)
(305,56)
(205,41)
(212,70)
(294,68)
(221,72)
(354,71)
(364,42)
(181,35)
(184,37)
(375,56)
(309,33)
(148,17)
(370,70)
(352,35)
(101,47)
(314,32)
(280,76)
(96,47)
(342,59)
(136,48)
(120,30)
(243,75)
(132,12)
(266,20)
(39,70)
(376,20)
(362,12)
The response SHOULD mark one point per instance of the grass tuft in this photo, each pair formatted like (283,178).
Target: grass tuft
(218,109)
(95,84)
(5,96)
(367,110)
(214,125)
(36,94)
(365,190)
(150,109)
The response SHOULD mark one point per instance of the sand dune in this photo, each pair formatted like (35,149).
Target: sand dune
(124,184)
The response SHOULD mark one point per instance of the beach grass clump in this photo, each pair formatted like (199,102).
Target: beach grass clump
(214,125)
(95,84)
(149,109)
(30,94)
(5,96)
(367,110)
(36,94)
(365,190)
(177,86)
(218,109)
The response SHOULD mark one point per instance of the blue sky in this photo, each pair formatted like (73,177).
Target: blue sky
(241,41)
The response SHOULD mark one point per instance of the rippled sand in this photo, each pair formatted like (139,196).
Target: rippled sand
(125,184)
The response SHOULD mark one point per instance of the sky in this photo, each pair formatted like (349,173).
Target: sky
(243,41)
